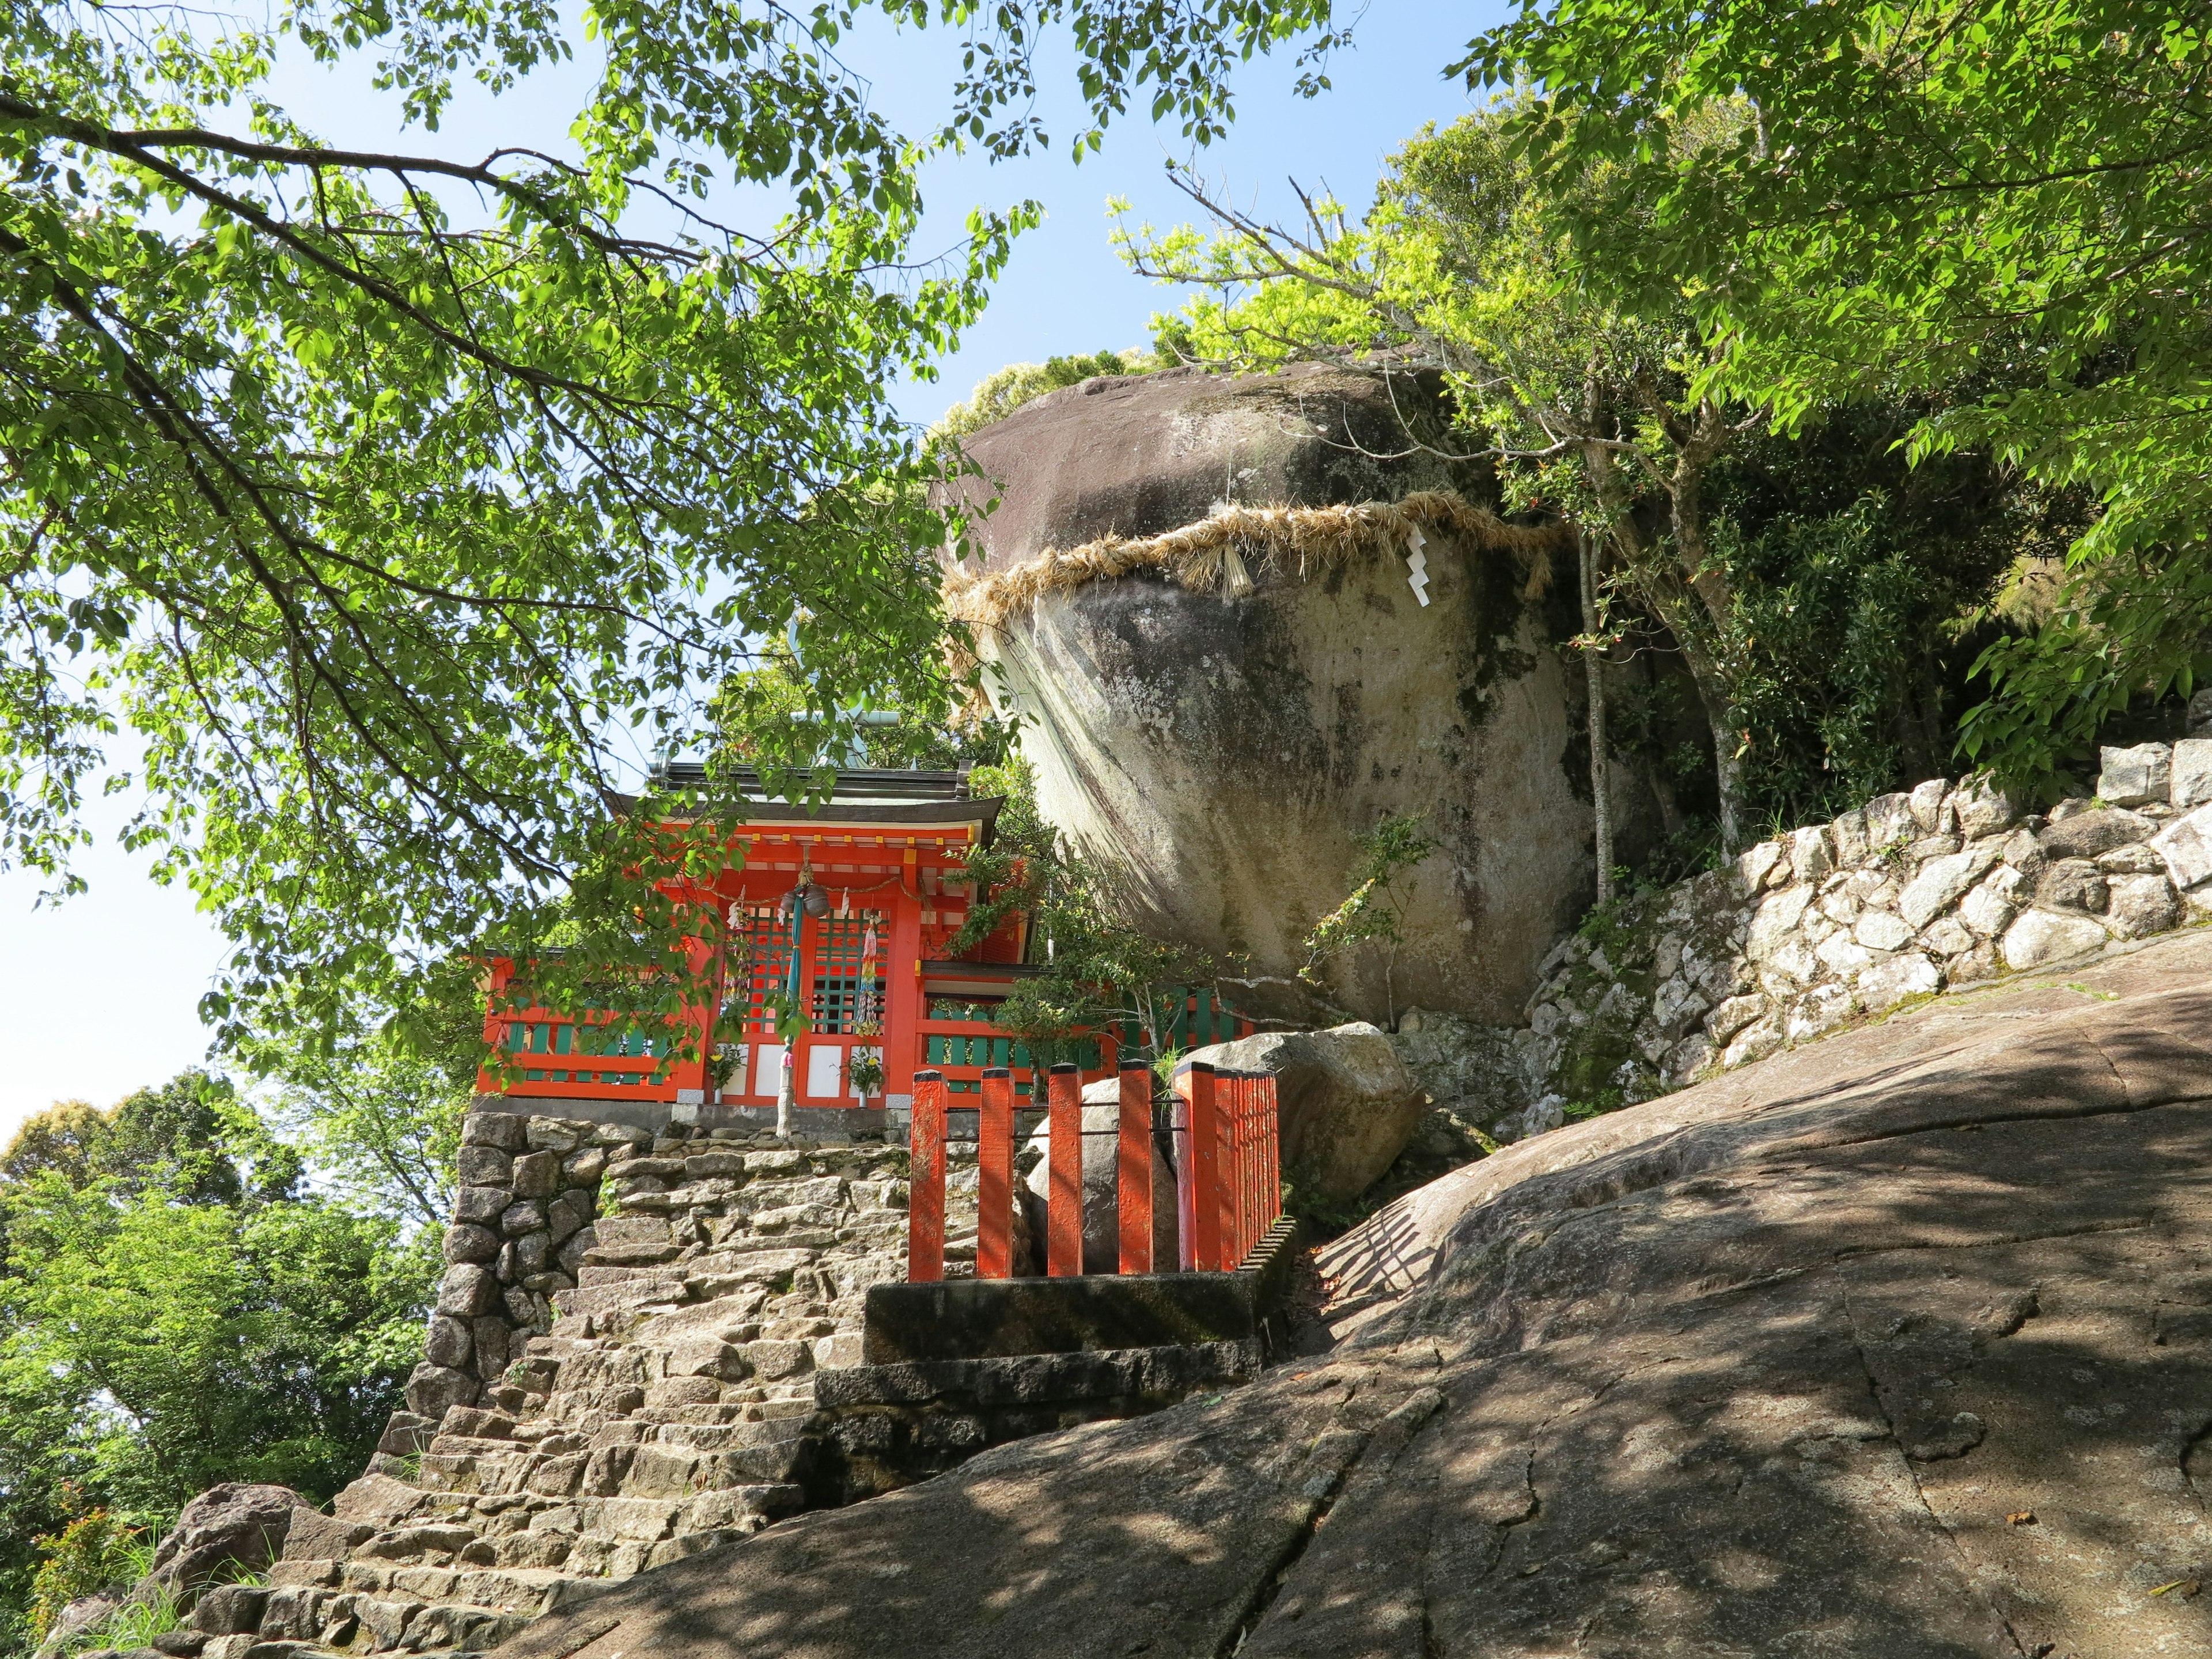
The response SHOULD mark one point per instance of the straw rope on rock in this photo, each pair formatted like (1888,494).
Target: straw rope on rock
(1214,552)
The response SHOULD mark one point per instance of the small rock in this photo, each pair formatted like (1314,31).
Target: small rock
(2191,784)
(1948,936)
(2142,904)
(2186,845)
(1754,864)
(537,1175)
(446,1340)
(230,1609)
(1689,1056)
(2086,834)
(1926,802)
(2023,852)
(1881,929)
(1811,852)
(1822,1009)
(481,1203)
(1990,908)
(2131,776)
(502,1131)
(1848,835)
(1941,882)
(1842,956)
(2139,860)
(1907,974)
(485,1166)
(433,1390)
(1982,809)
(467,1291)
(1890,822)
(466,1242)
(556,1135)
(1544,1115)
(2072,884)
(1733,1015)
(1757,1040)
(2041,936)
(1776,923)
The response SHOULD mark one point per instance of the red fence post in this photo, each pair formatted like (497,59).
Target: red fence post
(1271,1146)
(1246,1153)
(994,1175)
(1133,1174)
(1204,1167)
(1063,1205)
(925,1203)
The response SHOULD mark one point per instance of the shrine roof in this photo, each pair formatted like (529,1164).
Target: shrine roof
(862,795)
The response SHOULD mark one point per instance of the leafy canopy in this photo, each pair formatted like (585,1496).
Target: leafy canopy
(175,1311)
(1912,195)
(369,498)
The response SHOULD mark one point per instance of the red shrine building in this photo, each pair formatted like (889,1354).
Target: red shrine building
(845,911)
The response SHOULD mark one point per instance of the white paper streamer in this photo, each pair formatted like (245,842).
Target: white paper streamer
(1418,562)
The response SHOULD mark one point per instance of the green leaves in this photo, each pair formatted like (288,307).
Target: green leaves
(378,493)
(1874,200)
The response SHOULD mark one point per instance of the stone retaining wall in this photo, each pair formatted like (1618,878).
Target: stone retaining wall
(1948,885)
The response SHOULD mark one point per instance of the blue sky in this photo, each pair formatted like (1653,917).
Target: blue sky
(103,990)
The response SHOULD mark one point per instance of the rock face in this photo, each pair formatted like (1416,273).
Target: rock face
(1898,1345)
(1346,1104)
(1216,756)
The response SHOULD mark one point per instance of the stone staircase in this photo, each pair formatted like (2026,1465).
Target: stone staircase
(667,1407)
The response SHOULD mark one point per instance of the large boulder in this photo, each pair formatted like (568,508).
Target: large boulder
(226,1531)
(1213,752)
(1894,1346)
(1346,1105)
(1101,1185)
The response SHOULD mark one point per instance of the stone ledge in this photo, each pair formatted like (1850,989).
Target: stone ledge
(968,1319)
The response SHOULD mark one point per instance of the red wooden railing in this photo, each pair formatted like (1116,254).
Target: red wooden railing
(1229,1181)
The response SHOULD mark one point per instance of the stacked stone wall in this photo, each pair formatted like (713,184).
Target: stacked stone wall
(527,1195)
(1946,886)
(619,1373)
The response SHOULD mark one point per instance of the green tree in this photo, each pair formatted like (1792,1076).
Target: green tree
(1866,196)
(376,493)
(1000,394)
(1375,909)
(160,1332)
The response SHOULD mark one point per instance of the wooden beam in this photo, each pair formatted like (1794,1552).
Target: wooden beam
(994,1175)
(1133,1174)
(1063,1205)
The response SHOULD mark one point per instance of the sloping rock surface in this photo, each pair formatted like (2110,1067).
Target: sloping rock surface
(1899,1345)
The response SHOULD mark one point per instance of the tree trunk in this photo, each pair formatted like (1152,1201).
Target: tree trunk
(1594,667)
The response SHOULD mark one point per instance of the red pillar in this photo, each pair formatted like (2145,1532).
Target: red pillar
(1064,1208)
(904,1049)
(994,1175)
(925,1203)
(1133,1167)
(1204,1167)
